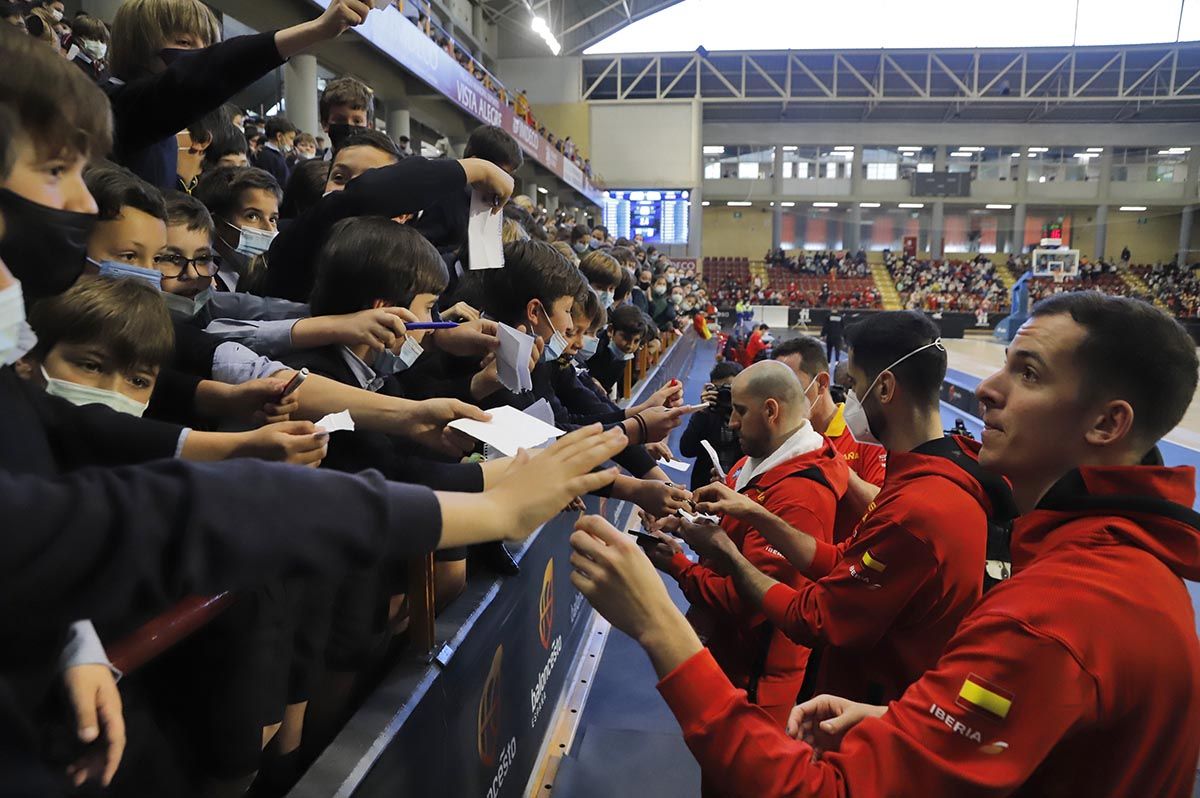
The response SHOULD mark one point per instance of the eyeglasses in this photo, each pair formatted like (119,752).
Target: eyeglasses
(206,265)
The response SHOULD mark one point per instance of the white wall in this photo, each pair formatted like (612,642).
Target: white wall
(549,81)
(646,146)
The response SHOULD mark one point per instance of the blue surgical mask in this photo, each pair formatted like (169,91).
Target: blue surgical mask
(580,247)
(186,308)
(606,299)
(388,362)
(252,241)
(123,271)
(617,353)
(557,343)
(86,395)
(590,346)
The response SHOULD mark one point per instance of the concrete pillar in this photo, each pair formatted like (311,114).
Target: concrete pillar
(777,192)
(1185,235)
(399,123)
(478,25)
(1018,245)
(854,229)
(856,172)
(1192,188)
(695,244)
(1101,232)
(300,93)
(1105,175)
(531,190)
(939,158)
(457,148)
(551,203)
(1022,176)
(937,229)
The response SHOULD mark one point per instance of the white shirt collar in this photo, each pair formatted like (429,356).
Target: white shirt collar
(802,441)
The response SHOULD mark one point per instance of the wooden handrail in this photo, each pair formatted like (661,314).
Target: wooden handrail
(421,600)
(627,380)
(163,631)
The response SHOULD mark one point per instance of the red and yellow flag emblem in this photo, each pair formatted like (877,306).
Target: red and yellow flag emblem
(874,563)
(981,695)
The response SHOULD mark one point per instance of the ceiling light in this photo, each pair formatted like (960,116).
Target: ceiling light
(910,147)
(911,205)
(714,150)
(542,190)
(1017,155)
(962,155)
(1039,149)
(787,204)
(971,149)
(542,29)
(868,204)
(739,204)
(1083,156)
(704,204)
(1133,207)
(844,148)
(825,204)
(1179,150)
(790,148)
(1095,149)
(998,206)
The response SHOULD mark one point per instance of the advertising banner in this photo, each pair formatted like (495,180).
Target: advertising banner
(405,43)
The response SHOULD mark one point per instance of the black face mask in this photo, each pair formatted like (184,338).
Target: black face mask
(644,286)
(43,247)
(170,55)
(339,132)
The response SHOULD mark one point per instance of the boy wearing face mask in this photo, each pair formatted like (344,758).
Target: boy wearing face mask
(168,78)
(886,601)
(662,308)
(618,345)
(603,273)
(244,203)
(89,35)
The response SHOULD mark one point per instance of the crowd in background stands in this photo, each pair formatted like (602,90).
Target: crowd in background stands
(1177,289)
(968,286)
(821,263)
(419,12)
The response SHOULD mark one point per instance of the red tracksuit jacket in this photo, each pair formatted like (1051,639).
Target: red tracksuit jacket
(867,460)
(752,652)
(886,602)
(1079,676)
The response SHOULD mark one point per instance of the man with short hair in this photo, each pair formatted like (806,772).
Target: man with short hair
(1079,675)
(793,471)
(805,356)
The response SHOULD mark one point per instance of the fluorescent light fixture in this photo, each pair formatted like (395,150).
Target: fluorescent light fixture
(844,148)
(911,205)
(909,147)
(825,204)
(972,149)
(1039,149)
(1178,150)
(543,30)
(962,155)
(714,150)
(542,190)
(1016,155)
(704,204)
(787,205)
(739,204)
(1133,207)
(998,206)
(1084,156)
(790,148)
(868,204)
(1095,149)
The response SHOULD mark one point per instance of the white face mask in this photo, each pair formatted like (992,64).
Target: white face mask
(855,415)
(590,346)
(95,49)
(557,343)
(16,336)
(56,15)
(253,241)
(86,395)
(388,363)
(185,308)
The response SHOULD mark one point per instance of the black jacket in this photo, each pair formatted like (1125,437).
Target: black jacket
(404,187)
(605,367)
(275,163)
(148,110)
(709,425)
(444,222)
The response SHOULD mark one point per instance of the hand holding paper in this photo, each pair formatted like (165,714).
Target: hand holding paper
(512,359)
(509,430)
(485,248)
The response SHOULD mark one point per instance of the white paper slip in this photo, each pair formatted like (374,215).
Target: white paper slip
(485,247)
(508,431)
(512,359)
(337,422)
(542,411)
(676,464)
(697,518)
(712,453)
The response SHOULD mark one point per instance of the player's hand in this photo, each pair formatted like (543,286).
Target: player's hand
(823,721)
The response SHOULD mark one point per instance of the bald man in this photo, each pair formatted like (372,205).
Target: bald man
(794,472)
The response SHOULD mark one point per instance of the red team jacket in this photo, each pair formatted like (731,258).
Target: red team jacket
(1079,676)
(868,460)
(886,601)
(752,652)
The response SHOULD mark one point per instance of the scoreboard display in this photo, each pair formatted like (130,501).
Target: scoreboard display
(660,216)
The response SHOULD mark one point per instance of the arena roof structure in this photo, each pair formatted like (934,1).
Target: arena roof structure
(578,24)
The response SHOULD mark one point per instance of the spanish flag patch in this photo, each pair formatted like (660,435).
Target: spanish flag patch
(875,565)
(981,695)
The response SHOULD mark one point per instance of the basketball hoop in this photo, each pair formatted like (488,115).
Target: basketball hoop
(1056,263)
